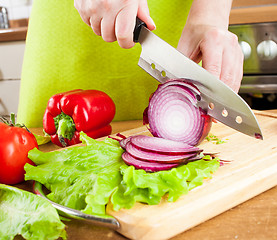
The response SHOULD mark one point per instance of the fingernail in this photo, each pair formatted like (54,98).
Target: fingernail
(153,23)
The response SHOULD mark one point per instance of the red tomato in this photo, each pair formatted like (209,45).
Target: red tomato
(15,143)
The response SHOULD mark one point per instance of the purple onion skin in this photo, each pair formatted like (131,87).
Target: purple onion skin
(206,128)
(145,116)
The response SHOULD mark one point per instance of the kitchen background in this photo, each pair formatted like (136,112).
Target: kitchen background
(17,9)
(12,45)
(254,21)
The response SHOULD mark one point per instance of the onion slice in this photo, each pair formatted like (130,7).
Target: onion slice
(124,142)
(150,156)
(156,144)
(147,166)
(173,113)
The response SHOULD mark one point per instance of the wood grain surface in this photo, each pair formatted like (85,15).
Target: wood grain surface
(253,170)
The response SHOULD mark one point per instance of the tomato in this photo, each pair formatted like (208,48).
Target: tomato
(15,143)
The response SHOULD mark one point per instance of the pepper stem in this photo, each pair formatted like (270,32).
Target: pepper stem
(65,126)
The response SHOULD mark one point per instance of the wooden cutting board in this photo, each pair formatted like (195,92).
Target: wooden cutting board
(252,170)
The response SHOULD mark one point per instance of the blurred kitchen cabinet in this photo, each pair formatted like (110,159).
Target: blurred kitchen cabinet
(11,59)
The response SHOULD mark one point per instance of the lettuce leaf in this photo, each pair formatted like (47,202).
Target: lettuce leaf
(141,186)
(42,139)
(80,177)
(24,213)
(87,177)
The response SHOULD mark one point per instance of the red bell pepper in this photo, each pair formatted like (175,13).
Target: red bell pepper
(69,113)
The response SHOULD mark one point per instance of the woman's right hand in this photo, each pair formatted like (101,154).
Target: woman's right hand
(114,20)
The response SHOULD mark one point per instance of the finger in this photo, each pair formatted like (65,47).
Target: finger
(124,26)
(232,64)
(212,51)
(239,68)
(196,55)
(189,45)
(95,24)
(229,70)
(239,74)
(108,28)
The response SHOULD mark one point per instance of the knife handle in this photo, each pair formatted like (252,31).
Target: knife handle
(137,29)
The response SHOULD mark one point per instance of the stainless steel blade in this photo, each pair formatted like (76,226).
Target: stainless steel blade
(163,62)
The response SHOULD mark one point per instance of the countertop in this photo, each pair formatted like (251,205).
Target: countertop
(16,32)
(13,34)
(253,219)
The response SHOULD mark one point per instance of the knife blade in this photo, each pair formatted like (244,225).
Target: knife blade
(163,62)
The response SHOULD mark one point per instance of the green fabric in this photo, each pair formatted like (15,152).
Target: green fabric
(62,53)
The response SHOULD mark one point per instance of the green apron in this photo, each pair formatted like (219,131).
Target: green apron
(62,53)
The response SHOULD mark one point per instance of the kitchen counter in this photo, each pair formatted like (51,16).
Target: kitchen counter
(253,219)
(16,32)
(13,34)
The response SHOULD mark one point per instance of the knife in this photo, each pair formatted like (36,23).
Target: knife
(163,62)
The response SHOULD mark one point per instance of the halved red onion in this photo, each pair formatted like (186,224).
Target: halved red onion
(173,114)
(146,155)
(147,166)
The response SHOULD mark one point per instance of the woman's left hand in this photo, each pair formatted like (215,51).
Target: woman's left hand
(218,49)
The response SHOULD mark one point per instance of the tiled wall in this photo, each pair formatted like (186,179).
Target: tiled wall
(17,9)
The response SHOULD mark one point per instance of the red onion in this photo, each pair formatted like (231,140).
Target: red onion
(173,113)
(147,166)
(123,142)
(156,144)
(156,154)
(177,124)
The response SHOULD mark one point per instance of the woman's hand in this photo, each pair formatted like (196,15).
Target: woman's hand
(114,20)
(218,49)
(206,37)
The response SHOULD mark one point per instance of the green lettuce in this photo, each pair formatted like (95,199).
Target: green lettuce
(87,177)
(26,214)
(141,186)
(80,177)
(42,139)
